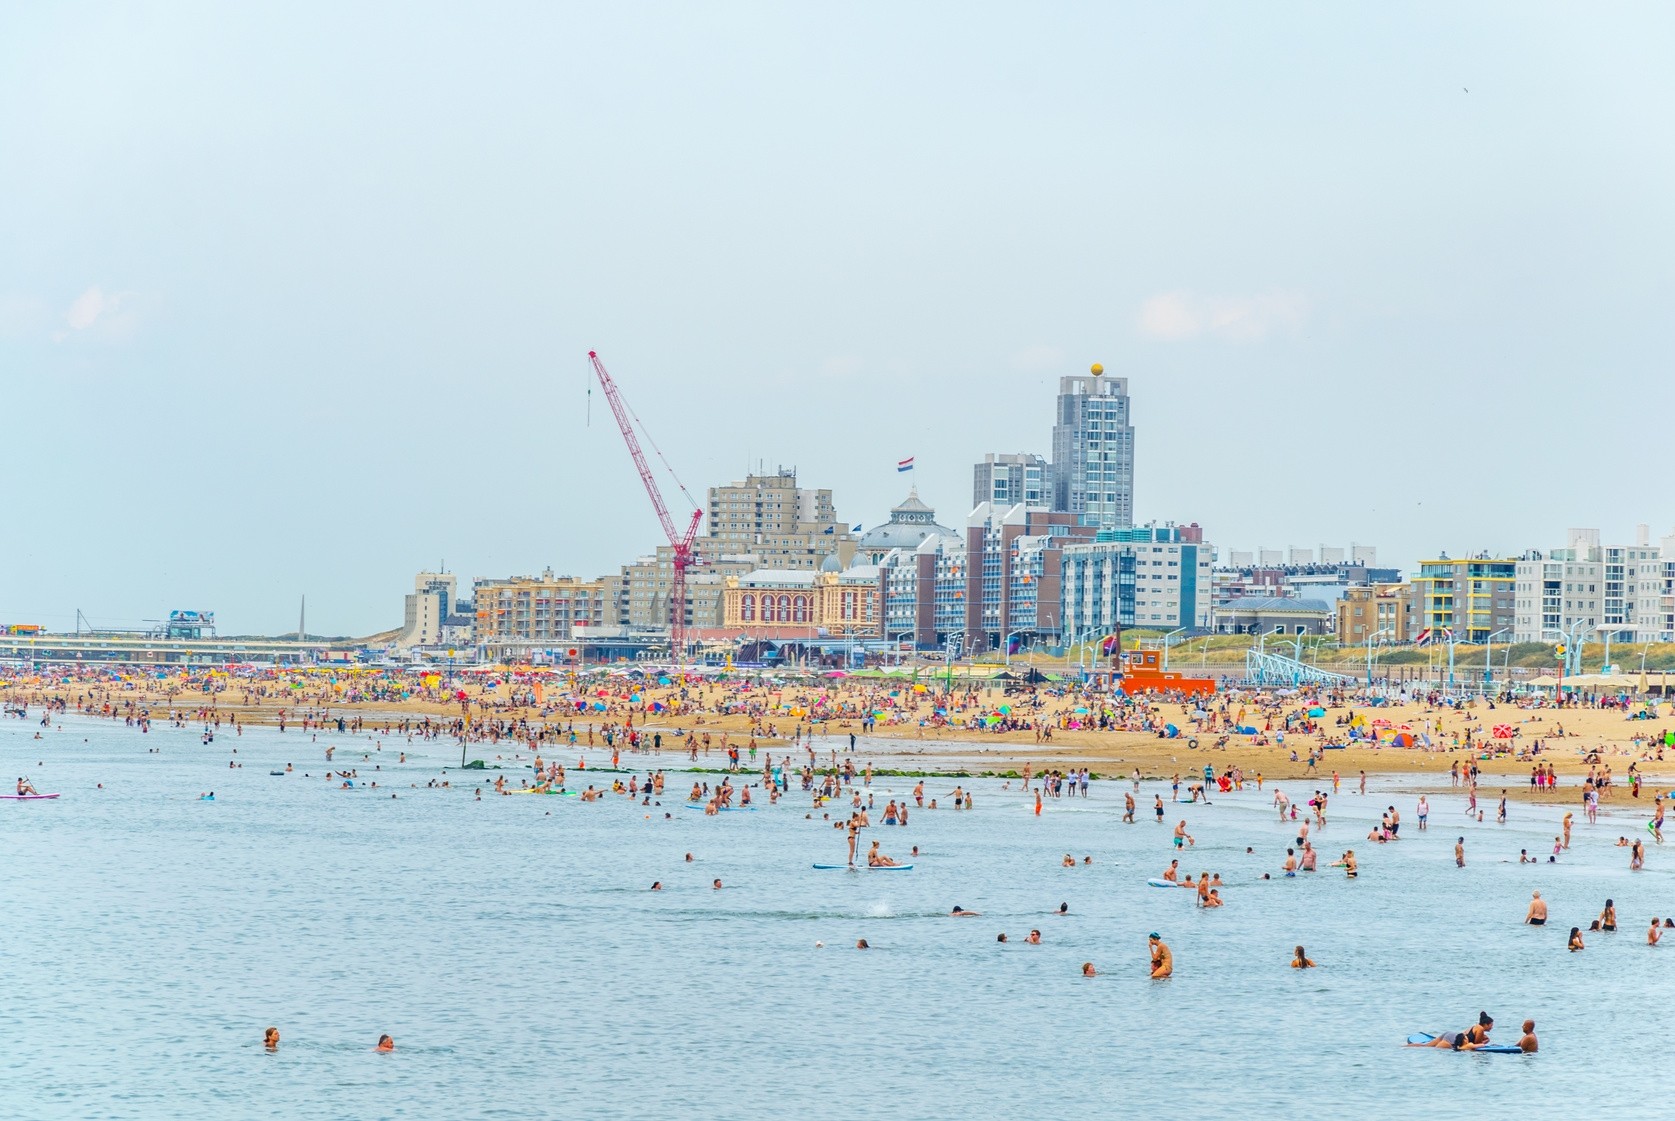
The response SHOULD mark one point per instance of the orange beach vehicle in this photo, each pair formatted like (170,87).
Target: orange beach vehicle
(1143,672)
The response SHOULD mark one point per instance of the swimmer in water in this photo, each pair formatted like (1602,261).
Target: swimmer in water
(1034,938)
(1302,960)
(960,912)
(270,1039)
(385,1043)
(1575,939)
(1527,1042)
(1537,914)
(1162,961)
(1088,970)
(861,944)
(1453,1040)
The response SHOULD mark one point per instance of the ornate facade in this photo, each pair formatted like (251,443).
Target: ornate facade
(776,603)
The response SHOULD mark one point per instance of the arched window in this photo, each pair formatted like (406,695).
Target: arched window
(799,609)
(783,615)
(747,608)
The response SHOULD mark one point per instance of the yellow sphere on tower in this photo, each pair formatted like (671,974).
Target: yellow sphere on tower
(1096,369)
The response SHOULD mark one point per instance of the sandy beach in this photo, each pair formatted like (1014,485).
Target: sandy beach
(919,726)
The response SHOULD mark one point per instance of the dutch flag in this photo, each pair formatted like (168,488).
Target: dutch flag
(904,464)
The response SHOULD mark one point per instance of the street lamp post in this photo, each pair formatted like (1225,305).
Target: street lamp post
(1166,638)
(1607,666)
(896,637)
(952,651)
(1489,659)
(1370,638)
(1007,640)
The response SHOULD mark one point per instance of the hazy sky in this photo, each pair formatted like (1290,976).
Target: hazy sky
(297,297)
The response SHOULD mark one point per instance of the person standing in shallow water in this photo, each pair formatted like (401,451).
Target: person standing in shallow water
(1163,962)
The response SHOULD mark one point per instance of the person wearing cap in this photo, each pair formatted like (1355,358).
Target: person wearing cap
(1163,962)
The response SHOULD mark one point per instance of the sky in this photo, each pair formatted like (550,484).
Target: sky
(296,299)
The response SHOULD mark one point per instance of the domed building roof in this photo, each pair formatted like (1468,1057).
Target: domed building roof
(910,523)
(831,563)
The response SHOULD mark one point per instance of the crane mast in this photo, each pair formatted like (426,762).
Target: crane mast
(680,543)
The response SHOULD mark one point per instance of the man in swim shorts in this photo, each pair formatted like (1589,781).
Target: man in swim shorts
(1537,915)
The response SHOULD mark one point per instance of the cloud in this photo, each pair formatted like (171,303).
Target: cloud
(95,311)
(1173,316)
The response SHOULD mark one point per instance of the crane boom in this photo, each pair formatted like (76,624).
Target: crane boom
(620,410)
(680,544)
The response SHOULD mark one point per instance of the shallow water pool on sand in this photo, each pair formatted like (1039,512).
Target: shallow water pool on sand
(513,950)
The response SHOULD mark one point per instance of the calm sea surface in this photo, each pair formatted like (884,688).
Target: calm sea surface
(511,948)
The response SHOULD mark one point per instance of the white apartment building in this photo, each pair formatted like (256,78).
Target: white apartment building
(1155,577)
(426,610)
(1627,591)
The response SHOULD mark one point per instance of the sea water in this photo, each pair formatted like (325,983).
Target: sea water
(513,950)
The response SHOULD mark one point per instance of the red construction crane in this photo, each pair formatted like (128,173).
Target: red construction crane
(680,543)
